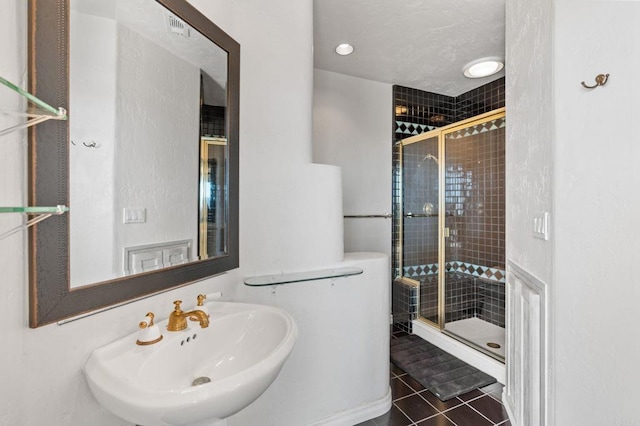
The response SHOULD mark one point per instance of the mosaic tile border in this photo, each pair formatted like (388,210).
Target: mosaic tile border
(407,128)
(479,128)
(479,271)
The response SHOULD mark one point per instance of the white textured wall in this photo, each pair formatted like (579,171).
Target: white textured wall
(530,118)
(584,141)
(352,129)
(92,108)
(597,204)
(529,161)
(13,157)
(158,144)
(341,358)
(290,212)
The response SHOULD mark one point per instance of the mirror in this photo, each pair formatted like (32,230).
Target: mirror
(136,140)
(148,161)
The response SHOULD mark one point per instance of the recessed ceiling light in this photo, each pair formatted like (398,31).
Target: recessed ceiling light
(344,49)
(483,67)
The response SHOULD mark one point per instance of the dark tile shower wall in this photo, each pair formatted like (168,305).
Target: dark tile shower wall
(475,195)
(416,112)
(212,121)
(421,187)
(429,297)
(404,304)
(491,302)
(480,100)
(461,297)
(466,297)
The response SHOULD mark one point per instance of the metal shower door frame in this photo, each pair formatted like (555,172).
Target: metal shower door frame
(440,133)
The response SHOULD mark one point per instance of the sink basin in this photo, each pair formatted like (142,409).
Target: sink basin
(196,376)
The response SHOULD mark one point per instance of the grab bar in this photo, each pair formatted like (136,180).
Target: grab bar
(420,215)
(361,216)
(425,214)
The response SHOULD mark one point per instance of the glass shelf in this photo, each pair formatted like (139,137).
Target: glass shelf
(37,111)
(41,214)
(295,277)
(35,210)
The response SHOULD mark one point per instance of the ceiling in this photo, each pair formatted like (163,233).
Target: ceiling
(422,44)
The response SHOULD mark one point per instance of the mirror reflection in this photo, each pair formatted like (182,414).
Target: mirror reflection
(148,155)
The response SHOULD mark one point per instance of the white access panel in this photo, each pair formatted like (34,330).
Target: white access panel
(150,257)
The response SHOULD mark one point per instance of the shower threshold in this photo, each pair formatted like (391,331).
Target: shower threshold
(481,334)
(461,348)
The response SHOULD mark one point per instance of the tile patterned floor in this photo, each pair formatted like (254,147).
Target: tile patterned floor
(415,406)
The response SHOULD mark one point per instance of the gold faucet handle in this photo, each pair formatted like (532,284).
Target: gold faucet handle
(177,306)
(149,332)
(201,298)
(148,320)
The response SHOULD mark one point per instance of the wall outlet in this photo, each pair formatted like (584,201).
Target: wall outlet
(541,226)
(134,215)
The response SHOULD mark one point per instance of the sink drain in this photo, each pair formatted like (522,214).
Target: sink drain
(200,381)
(493,345)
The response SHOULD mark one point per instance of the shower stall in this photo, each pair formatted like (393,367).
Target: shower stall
(450,216)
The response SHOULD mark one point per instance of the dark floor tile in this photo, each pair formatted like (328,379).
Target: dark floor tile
(399,328)
(471,395)
(399,389)
(463,415)
(415,407)
(413,384)
(495,390)
(393,417)
(490,408)
(440,405)
(397,371)
(438,420)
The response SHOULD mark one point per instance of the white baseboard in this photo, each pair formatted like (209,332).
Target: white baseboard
(508,408)
(359,414)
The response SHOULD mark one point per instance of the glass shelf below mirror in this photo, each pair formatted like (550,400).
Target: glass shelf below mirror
(41,213)
(294,277)
(35,112)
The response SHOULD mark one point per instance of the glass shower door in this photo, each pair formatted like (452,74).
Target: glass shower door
(474,226)
(420,204)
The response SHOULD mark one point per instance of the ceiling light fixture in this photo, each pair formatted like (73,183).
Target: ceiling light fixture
(344,49)
(483,67)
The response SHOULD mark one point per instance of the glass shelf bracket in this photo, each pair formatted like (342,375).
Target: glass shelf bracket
(37,110)
(41,214)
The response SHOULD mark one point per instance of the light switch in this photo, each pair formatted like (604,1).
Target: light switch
(134,215)
(541,226)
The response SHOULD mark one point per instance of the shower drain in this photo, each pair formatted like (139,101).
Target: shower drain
(493,345)
(200,381)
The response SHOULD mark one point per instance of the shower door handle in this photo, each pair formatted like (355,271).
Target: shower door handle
(446,232)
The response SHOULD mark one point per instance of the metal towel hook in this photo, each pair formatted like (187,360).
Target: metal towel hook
(601,80)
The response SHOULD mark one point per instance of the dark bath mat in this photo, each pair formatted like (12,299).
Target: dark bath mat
(441,373)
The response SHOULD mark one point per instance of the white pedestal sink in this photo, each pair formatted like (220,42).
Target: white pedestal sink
(195,376)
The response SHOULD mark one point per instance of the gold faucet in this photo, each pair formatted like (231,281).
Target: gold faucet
(178,318)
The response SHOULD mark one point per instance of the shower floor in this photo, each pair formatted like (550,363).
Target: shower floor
(479,332)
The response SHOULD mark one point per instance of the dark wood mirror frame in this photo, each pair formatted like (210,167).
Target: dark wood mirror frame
(50,296)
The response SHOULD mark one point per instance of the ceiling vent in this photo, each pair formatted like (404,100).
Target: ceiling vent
(178,26)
